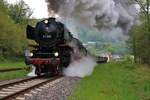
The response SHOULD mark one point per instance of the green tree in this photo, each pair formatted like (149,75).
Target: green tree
(20,12)
(12,37)
(141,34)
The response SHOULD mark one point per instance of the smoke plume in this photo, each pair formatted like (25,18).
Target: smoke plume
(101,14)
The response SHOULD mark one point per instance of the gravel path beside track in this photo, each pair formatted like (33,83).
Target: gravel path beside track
(57,90)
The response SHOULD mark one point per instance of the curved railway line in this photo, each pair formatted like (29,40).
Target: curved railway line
(11,91)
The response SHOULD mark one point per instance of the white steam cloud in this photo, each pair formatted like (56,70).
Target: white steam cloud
(102,14)
(81,67)
(32,73)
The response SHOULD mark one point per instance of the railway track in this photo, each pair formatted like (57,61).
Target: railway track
(11,91)
(13,69)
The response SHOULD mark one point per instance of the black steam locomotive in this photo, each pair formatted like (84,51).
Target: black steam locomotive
(52,52)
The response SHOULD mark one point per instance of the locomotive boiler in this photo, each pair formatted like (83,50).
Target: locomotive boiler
(54,47)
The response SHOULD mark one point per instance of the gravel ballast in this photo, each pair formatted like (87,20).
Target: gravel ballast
(56,90)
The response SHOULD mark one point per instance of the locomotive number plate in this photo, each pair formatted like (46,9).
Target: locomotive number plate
(47,36)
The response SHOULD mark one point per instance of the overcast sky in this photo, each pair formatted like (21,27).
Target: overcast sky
(39,7)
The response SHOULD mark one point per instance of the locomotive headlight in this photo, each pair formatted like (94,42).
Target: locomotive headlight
(30,54)
(56,54)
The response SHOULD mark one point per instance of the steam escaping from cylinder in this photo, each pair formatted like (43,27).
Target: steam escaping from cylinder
(32,73)
(81,68)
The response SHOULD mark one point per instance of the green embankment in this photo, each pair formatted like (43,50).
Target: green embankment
(13,74)
(11,64)
(115,81)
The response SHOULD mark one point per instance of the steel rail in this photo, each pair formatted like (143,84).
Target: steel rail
(17,82)
(12,95)
(13,69)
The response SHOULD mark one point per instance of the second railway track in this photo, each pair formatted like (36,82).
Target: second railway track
(14,69)
(10,91)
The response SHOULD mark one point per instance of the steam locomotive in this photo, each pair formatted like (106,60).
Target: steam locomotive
(54,47)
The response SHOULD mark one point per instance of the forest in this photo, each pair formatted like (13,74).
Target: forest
(13,21)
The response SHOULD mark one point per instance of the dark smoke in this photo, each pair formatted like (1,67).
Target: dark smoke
(102,14)
(54,5)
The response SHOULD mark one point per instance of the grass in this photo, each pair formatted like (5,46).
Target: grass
(11,64)
(13,74)
(115,81)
